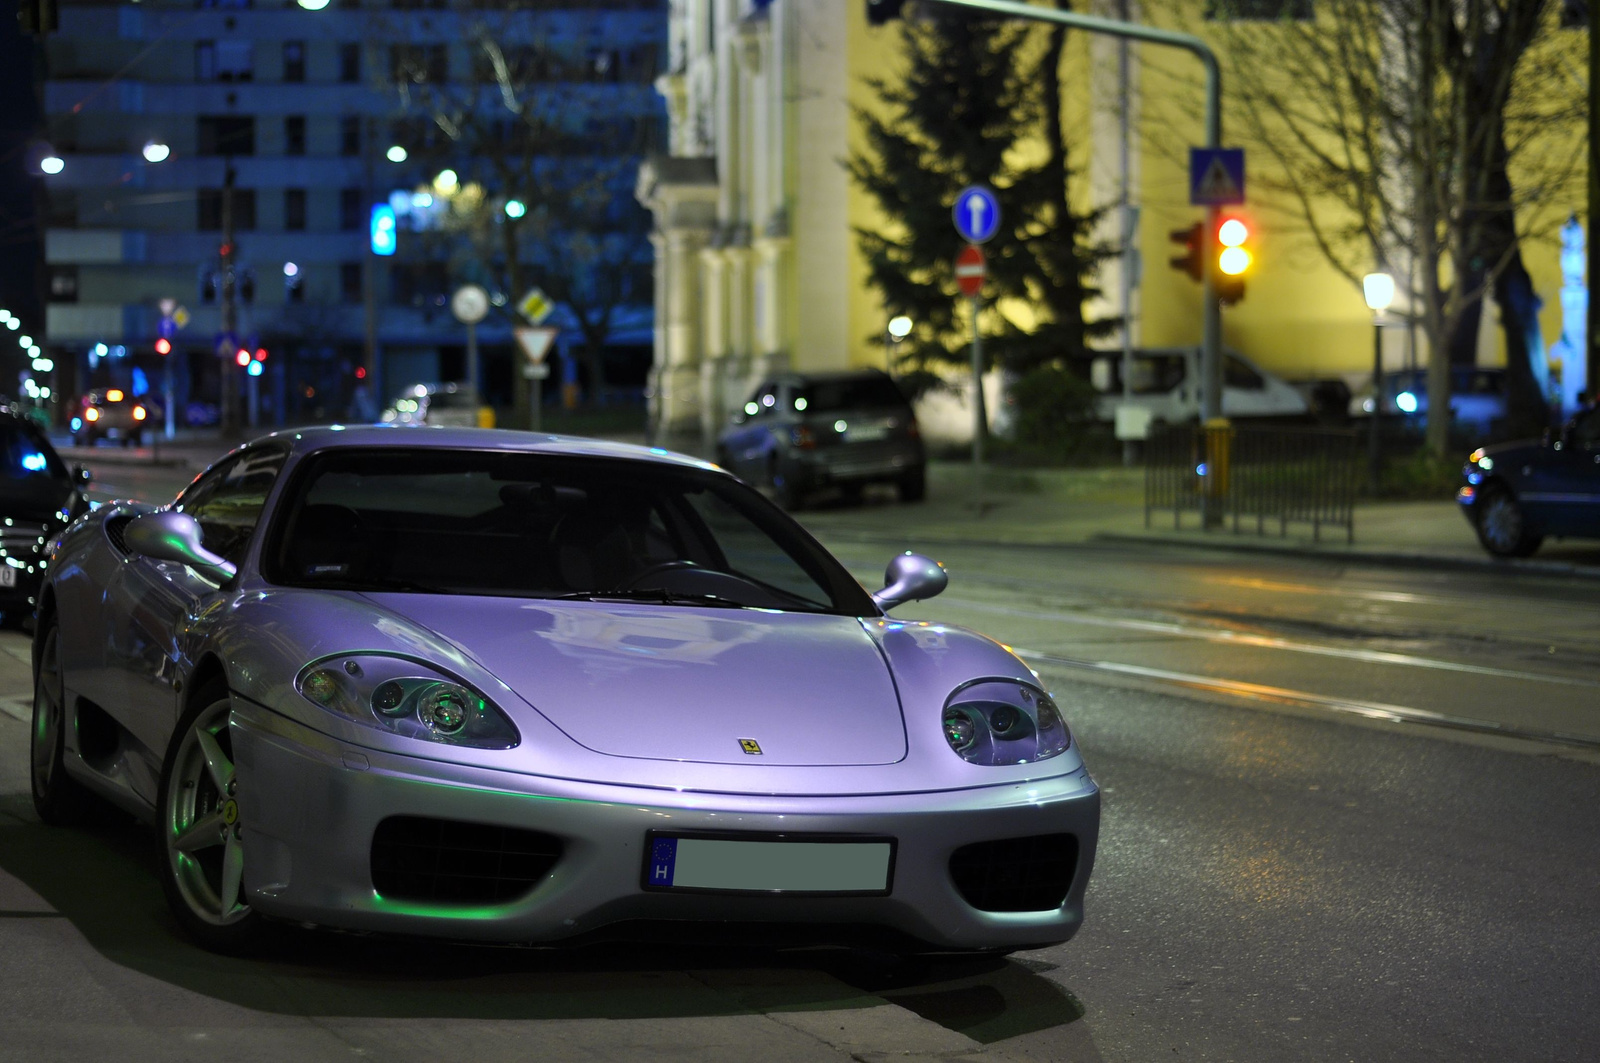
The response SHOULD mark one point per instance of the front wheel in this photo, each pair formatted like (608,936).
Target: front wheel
(202,856)
(1503,527)
(57,797)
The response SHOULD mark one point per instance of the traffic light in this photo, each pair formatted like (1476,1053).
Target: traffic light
(241,357)
(881,11)
(1193,257)
(163,346)
(383,229)
(261,354)
(1234,258)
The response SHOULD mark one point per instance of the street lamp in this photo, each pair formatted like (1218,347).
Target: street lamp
(52,164)
(396,153)
(1378,288)
(313,5)
(155,151)
(515,208)
(899,327)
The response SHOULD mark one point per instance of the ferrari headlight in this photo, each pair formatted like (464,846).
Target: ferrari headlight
(406,698)
(997,721)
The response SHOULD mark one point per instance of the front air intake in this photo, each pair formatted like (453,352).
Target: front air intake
(1017,874)
(446,861)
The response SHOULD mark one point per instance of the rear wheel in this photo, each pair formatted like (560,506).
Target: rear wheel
(57,797)
(1502,526)
(913,486)
(202,856)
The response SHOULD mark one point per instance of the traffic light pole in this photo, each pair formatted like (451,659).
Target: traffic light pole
(1211,330)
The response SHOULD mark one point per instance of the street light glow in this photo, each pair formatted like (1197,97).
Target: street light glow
(313,5)
(900,326)
(13,324)
(155,151)
(1379,291)
(25,341)
(515,208)
(447,181)
(52,164)
(291,270)
(396,153)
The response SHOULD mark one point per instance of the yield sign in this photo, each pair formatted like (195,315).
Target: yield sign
(535,342)
(970,270)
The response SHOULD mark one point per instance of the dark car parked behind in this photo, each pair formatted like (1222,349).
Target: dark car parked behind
(39,495)
(1518,493)
(802,432)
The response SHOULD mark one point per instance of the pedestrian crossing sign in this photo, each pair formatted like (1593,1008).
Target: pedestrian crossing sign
(1216,177)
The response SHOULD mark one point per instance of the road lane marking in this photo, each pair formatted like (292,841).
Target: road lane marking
(1372,710)
(1239,638)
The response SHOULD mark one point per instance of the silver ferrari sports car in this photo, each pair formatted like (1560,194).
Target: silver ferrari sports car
(521,688)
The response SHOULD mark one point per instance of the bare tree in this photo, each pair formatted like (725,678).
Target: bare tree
(1426,137)
(544,131)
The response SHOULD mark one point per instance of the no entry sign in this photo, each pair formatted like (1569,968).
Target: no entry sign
(970,270)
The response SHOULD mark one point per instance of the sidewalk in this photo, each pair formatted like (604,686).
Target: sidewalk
(1037,507)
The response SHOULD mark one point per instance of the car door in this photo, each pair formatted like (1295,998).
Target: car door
(150,604)
(1572,505)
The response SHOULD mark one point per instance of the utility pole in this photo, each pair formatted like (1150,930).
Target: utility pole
(1592,381)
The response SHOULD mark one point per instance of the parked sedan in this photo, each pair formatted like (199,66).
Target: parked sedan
(799,433)
(515,688)
(39,495)
(115,415)
(1517,494)
(1477,398)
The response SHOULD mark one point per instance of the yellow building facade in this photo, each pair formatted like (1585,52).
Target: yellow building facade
(758,269)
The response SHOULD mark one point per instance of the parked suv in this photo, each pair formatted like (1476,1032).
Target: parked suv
(802,432)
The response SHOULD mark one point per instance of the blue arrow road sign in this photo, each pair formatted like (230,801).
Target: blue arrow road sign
(1216,177)
(977,214)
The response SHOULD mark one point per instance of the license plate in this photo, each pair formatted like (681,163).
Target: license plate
(866,433)
(769,864)
(8,576)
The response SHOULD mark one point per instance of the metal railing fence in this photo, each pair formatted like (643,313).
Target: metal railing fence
(1230,473)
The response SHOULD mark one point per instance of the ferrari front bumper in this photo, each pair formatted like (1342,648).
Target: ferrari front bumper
(310,806)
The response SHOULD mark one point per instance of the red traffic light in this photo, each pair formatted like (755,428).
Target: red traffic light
(242,357)
(163,346)
(361,372)
(261,354)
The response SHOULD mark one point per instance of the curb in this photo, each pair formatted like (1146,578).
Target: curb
(1374,557)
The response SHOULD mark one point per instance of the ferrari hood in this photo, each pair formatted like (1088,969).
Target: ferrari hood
(718,686)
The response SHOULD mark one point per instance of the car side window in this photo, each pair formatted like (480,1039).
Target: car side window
(1236,374)
(227,501)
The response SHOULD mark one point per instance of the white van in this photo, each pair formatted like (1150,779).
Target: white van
(1166,387)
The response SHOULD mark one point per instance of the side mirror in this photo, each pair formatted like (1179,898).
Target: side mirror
(176,537)
(80,475)
(910,578)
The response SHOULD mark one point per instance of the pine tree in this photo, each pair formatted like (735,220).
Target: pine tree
(974,90)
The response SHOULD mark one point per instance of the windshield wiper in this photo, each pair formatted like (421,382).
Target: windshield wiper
(660,597)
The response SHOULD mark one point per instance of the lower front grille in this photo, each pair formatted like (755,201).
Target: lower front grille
(1017,874)
(418,858)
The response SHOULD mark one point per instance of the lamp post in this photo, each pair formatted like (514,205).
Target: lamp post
(1379,291)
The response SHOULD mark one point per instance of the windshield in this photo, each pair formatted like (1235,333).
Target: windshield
(24,458)
(543,526)
(862,393)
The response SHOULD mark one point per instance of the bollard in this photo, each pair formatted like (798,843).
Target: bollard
(1218,450)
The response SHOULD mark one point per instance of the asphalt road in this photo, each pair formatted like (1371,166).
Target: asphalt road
(1318,844)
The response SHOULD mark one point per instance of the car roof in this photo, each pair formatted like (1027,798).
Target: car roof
(331,437)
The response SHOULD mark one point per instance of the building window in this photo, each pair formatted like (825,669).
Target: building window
(294,209)
(226,134)
(349,62)
(419,284)
(350,282)
(350,208)
(224,60)
(294,134)
(350,135)
(1258,10)
(210,209)
(294,60)
(64,284)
